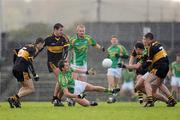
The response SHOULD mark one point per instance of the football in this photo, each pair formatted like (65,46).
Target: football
(107,63)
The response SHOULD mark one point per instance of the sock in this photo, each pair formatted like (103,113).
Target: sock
(107,91)
(140,94)
(170,97)
(17,96)
(55,97)
(149,98)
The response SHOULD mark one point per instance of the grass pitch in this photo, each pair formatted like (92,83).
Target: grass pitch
(104,111)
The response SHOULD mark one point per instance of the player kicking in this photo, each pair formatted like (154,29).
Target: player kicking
(74,89)
(115,52)
(23,62)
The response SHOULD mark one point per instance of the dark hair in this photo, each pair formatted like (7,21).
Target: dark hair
(39,40)
(58,25)
(61,64)
(149,35)
(114,36)
(139,45)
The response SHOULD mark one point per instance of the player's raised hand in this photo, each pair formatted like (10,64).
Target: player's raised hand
(91,71)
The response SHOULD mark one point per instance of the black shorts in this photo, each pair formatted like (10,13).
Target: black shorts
(160,69)
(54,64)
(21,75)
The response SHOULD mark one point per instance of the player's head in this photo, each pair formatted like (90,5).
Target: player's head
(139,47)
(178,57)
(149,37)
(39,43)
(80,29)
(58,29)
(114,39)
(63,65)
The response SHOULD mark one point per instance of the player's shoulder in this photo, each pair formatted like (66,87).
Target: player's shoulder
(49,37)
(86,36)
(155,44)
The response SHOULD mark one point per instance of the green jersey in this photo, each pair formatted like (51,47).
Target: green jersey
(128,76)
(175,67)
(116,49)
(66,80)
(79,47)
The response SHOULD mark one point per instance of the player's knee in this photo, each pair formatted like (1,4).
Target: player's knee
(32,89)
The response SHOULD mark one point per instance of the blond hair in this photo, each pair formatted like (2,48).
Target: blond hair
(80,26)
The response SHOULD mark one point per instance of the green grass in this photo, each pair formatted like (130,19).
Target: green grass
(117,111)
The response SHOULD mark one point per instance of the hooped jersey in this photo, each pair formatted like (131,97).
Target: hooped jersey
(56,47)
(23,57)
(156,53)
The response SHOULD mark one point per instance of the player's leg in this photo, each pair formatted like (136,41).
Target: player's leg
(26,89)
(111,85)
(84,102)
(90,87)
(56,99)
(82,76)
(148,89)
(171,101)
(138,86)
(178,94)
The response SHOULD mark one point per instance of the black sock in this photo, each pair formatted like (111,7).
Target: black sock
(17,96)
(140,94)
(149,98)
(55,97)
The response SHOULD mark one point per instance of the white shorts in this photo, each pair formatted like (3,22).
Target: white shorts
(128,86)
(79,87)
(145,75)
(175,81)
(116,72)
(84,68)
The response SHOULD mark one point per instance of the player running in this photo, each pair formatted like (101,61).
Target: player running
(115,52)
(79,44)
(140,66)
(159,67)
(57,49)
(22,62)
(74,88)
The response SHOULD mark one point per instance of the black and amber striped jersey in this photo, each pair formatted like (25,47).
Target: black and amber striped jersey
(142,59)
(156,53)
(56,46)
(24,57)
(135,55)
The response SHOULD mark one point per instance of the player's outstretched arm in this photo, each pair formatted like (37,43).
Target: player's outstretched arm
(97,46)
(133,66)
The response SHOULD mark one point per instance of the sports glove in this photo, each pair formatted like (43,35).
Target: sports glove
(36,77)
(121,65)
(82,95)
(103,49)
(117,55)
(91,71)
